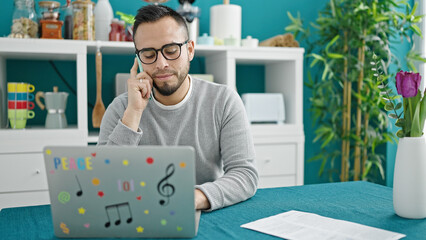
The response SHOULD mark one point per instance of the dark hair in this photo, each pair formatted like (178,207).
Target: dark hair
(153,13)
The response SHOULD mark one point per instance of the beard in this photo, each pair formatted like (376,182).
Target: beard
(168,89)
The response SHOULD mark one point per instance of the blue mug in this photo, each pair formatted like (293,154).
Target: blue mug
(20,96)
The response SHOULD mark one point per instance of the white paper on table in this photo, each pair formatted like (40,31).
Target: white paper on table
(296,225)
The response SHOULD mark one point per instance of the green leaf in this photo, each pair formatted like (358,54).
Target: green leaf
(400,123)
(291,17)
(380,167)
(423,112)
(326,70)
(314,62)
(367,169)
(315,158)
(381,18)
(316,56)
(416,30)
(321,170)
(334,40)
(392,115)
(398,106)
(291,28)
(389,106)
(416,131)
(400,133)
(335,55)
(413,11)
(327,140)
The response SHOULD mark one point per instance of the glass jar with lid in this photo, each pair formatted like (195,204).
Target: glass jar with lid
(24,20)
(83,20)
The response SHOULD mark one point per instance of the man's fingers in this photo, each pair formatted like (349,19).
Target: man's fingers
(145,88)
(134,69)
(144,91)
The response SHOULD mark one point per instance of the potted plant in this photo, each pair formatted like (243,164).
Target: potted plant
(346,102)
(409,190)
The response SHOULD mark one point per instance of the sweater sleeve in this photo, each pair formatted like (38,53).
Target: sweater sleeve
(113,131)
(240,178)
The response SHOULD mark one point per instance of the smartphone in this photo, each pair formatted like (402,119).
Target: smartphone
(141,70)
(139,63)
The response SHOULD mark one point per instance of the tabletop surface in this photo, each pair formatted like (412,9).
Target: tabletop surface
(360,202)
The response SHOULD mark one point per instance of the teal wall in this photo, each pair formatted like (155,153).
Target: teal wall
(260,19)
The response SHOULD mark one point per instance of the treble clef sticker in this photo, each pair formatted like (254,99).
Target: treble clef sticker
(164,188)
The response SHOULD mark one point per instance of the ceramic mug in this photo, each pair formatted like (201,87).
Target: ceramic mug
(18,118)
(20,105)
(20,96)
(20,87)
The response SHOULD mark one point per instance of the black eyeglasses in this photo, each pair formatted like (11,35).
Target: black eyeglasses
(170,51)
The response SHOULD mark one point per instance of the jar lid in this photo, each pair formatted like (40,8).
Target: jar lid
(82,2)
(49,4)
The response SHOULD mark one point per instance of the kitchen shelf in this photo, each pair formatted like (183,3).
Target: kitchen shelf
(279,147)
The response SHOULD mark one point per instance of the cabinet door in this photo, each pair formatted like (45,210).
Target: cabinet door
(276,164)
(22,172)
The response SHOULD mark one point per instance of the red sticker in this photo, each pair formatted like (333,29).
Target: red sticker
(101,194)
(94,154)
(139,198)
(150,160)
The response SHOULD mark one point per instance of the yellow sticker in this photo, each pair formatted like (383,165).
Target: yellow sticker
(146,212)
(81,211)
(48,151)
(96,181)
(143,184)
(64,228)
(125,162)
(139,229)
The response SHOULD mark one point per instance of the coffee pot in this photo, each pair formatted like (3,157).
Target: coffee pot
(56,103)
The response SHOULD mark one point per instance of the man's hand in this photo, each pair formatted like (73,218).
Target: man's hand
(201,201)
(139,90)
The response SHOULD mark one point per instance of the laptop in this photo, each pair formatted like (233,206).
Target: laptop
(122,192)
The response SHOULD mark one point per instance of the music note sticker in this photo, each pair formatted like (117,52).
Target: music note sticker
(118,217)
(164,187)
(79,192)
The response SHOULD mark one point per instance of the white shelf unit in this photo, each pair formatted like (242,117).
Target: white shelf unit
(22,172)
(279,148)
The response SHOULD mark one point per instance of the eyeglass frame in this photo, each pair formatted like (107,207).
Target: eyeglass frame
(161,50)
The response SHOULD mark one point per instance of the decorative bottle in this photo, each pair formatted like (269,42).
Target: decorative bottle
(103,17)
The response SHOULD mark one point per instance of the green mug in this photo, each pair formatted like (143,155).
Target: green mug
(18,117)
(17,123)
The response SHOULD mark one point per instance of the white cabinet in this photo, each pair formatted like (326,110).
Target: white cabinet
(279,148)
(22,176)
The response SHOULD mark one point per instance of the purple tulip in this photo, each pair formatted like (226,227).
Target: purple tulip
(407,83)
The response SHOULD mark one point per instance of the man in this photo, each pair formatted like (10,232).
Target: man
(183,111)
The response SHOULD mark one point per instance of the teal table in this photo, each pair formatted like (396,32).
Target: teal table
(360,202)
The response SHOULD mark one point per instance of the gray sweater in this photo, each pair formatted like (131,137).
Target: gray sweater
(212,119)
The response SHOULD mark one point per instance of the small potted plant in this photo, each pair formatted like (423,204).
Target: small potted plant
(409,188)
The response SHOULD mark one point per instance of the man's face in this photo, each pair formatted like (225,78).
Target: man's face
(167,75)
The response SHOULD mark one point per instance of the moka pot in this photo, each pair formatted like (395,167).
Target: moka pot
(56,103)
